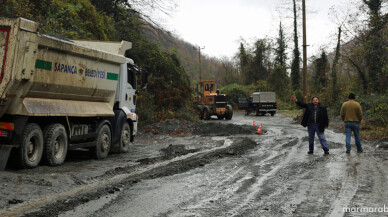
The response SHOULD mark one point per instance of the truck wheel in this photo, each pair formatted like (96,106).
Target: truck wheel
(199,108)
(31,147)
(247,112)
(206,113)
(229,112)
(272,113)
(125,138)
(103,142)
(55,144)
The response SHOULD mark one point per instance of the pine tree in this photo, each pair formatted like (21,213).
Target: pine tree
(375,45)
(321,72)
(278,81)
(295,65)
(258,66)
(280,50)
(244,64)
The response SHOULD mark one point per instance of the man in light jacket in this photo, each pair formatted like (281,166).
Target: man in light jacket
(351,114)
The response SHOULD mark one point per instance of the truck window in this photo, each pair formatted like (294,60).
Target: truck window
(131,76)
(206,87)
(212,87)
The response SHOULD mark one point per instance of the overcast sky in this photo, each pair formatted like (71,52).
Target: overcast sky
(218,25)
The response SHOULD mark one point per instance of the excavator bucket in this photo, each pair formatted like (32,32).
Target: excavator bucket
(5,151)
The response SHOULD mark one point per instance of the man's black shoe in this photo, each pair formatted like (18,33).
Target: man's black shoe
(360,151)
(347,151)
(326,152)
(310,152)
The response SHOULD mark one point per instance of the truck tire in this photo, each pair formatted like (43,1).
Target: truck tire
(125,138)
(199,108)
(273,113)
(104,140)
(55,144)
(229,112)
(31,147)
(206,113)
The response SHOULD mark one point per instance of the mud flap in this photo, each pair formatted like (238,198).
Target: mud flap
(5,150)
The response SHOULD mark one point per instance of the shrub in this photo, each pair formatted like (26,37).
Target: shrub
(234,91)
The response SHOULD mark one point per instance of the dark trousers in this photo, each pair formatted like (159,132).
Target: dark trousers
(313,128)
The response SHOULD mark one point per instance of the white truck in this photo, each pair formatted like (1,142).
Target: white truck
(260,103)
(57,95)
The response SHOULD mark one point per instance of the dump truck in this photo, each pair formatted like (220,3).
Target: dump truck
(57,94)
(210,102)
(259,102)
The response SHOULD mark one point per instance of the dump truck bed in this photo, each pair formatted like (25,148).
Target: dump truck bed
(45,76)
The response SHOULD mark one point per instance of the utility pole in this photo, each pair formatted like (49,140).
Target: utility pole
(199,61)
(305,88)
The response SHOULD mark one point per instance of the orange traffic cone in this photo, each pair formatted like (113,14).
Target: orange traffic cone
(259,129)
(254,124)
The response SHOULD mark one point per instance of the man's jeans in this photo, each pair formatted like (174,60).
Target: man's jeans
(355,127)
(312,128)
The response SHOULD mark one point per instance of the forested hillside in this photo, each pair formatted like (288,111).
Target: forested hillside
(358,65)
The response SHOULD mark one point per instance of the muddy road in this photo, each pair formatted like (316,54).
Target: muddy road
(212,168)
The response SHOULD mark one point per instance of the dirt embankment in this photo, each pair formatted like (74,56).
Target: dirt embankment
(176,127)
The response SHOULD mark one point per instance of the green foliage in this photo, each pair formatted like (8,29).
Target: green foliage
(285,104)
(279,82)
(374,107)
(322,68)
(74,19)
(234,91)
(253,65)
(168,84)
(299,95)
(258,86)
(375,45)
(280,50)
(260,60)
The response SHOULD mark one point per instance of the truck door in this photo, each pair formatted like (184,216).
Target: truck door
(127,87)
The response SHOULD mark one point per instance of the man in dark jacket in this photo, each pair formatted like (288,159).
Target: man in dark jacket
(316,120)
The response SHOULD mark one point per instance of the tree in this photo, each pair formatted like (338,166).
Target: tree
(376,52)
(334,69)
(322,68)
(295,65)
(244,63)
(278,81)
(260,61)
(230,72)
(280,50)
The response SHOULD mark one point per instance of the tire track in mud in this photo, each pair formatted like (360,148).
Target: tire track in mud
(56,203)
(349,187)
(364,187)
(253,192)
(244,185)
